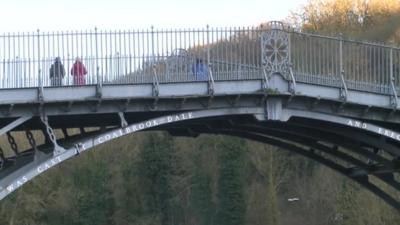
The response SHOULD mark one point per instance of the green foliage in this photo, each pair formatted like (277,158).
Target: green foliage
(156,167)
(347,204)
(201,193)
(201,198)
(272,202)
(231,200)
(151,177)
(94,195)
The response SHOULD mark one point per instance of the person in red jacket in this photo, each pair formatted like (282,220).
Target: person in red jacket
(78,71)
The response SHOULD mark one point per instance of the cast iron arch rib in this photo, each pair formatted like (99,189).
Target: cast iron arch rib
(363,181)
(14,179)
(27,172)
(359,168)
(365,129)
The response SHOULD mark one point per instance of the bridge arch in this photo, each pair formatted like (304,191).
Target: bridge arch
(296,133)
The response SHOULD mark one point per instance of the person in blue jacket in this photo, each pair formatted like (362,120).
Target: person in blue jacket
(200,70)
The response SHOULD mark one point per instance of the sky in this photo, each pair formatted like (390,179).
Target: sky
(55,15)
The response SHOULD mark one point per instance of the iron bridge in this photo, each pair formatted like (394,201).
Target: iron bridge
(329,99)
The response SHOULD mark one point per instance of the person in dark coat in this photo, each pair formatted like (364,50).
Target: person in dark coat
(78,71)
(57,72)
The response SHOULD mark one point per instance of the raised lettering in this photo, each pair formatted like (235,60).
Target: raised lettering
(155,123)
(39,169)
(10,188)
(148,124)
(169,119)
(100,140)
(183,116)
(350,123)
(127,130)
(115,135)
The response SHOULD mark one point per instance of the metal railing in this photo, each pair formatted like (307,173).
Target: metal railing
(126,57)
(364,66)
(129,57)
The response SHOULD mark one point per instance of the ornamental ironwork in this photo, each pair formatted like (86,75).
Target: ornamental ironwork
(275,51)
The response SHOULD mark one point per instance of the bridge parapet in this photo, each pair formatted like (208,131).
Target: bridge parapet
(131,56)
(331,61)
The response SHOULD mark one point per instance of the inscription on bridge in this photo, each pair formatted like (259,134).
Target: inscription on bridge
(39,169)
(140,126)
(379,130)
(84,146)
(389,133)
(358,124)
(17,184)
